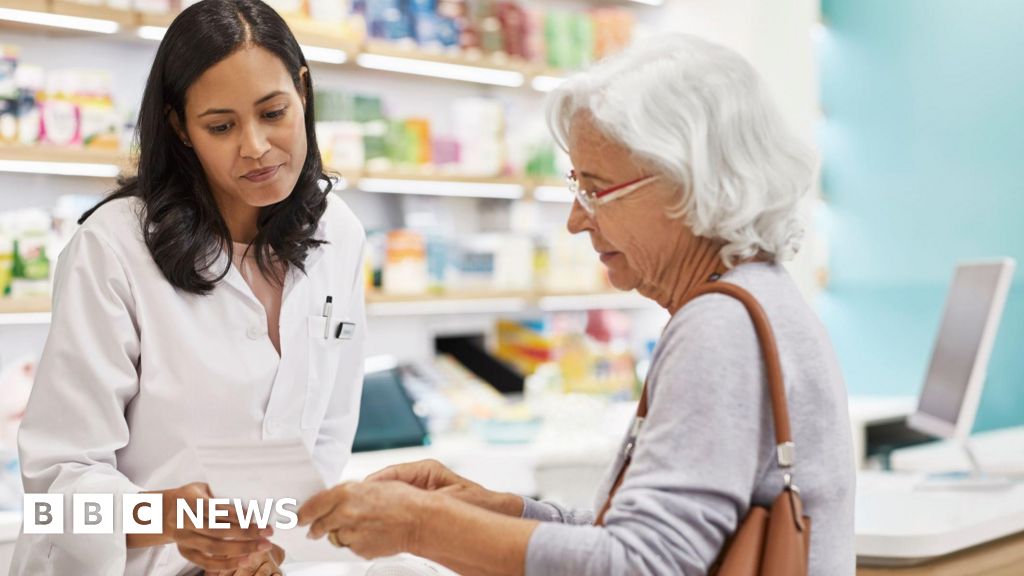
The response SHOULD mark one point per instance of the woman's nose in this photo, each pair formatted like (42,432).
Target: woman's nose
(579,219)
(254,143)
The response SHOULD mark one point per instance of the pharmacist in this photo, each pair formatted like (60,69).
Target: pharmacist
(216,296)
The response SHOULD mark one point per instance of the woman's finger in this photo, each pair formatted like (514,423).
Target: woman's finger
(210,563)
(417,473)
(338,520)
(266,568)
(389,473)
(320,505)
(219,547)
(407,472)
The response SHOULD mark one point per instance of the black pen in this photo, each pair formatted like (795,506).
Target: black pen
(327,316)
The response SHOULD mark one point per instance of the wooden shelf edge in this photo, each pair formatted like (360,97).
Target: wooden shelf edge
(45,153)
(30,5)
(82,10)
(33,305)
(462,58)
(383,298)
(433,176)
(156,20)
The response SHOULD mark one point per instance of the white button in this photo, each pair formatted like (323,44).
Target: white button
(256,332)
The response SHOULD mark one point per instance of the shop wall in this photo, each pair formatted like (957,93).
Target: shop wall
(922,144)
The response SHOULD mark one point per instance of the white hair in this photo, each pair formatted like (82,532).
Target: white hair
(699,114)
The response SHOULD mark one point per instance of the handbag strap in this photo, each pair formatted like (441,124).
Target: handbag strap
(785,449)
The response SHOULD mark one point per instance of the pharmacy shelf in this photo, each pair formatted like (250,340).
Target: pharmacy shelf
(463,66)
(24,311)
(379,305)
(124,18)
(42,153)
(550,190)
(594,301)
(61,161)
(30,5)
(425,305)
(108,164)
(432,183)
(30,311)
(321,42)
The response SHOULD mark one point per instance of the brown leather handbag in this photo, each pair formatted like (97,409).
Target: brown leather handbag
(770,541)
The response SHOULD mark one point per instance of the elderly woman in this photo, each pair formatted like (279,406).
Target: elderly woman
(684,173)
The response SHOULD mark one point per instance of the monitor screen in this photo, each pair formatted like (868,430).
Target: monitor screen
(976,290)
(386,416)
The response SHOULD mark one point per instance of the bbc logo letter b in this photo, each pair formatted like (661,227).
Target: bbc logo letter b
(44,514)
(93,513)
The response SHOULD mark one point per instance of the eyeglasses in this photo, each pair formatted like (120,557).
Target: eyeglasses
(591,200)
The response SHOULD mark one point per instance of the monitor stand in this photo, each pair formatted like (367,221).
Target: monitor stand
(975,479)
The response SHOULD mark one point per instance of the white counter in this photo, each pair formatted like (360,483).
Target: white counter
(898,524)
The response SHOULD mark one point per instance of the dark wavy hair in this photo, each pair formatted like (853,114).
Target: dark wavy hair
(181,223)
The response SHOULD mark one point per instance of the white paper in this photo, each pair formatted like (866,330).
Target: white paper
(264,470)
(259,470)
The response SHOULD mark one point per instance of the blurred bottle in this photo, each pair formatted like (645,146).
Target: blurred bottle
(30,268)
(30,81)
(405,266)
(514,26)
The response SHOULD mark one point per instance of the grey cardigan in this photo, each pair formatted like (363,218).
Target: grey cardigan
(706,451)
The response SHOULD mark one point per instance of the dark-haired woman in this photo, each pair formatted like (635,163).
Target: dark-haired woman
(190,305)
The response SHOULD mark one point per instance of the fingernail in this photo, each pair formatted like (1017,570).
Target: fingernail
(312,535)
(264,546)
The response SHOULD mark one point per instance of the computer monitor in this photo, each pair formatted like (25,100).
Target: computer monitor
(959,363)
(386,415)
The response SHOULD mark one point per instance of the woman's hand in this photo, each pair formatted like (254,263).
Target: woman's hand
(373,519)
(433,476)
(387,517)
(217,550)
(270,565)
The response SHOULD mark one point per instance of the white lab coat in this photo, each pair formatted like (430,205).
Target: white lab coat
(135,374)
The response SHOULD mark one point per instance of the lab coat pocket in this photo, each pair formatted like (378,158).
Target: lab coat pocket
(325,358)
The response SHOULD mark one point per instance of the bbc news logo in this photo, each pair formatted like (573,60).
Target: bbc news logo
(143,513)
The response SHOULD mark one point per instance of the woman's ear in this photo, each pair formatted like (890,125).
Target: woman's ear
(303,84)
(172,117)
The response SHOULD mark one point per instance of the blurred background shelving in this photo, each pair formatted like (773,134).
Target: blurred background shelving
(437,142)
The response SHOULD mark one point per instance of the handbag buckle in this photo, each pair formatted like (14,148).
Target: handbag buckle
(786,454)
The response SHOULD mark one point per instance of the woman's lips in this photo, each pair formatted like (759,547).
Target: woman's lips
(606,256)
(262,175)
